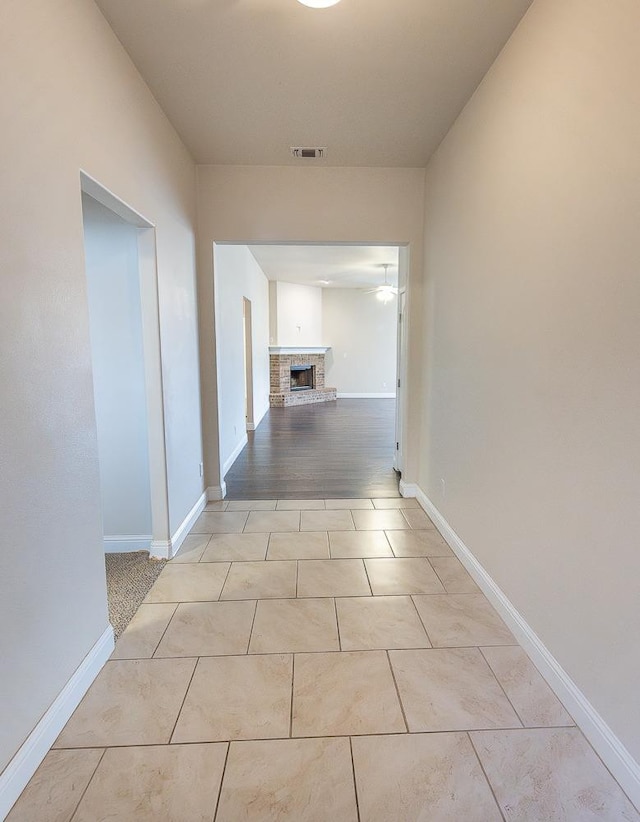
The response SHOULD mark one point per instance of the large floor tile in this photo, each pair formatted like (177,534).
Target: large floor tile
(144,632)
(237,697)
(216,505)
(299,780)
(450,690)
(208,629)
(190,582)
(530,695)
(236,548)
(348,504)
(272,521)
(368,623)
(131,702)
(192,548)
(345,694)
(551,775)
(220,522)
(395,502)
(453,575)
(300,505)
(326,521)
(411,575)
(421,778)
(294,625)
(171,783)
(389,520)
(459,620)
(307,545)
(260,580)
(353,544)
(332,578)
(55,789)
(252,505)
(418,544)
(417,519)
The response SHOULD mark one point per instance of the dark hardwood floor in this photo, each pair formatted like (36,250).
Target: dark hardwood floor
(331,450)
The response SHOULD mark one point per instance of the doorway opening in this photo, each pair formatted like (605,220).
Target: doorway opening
(327,357)
(123,315)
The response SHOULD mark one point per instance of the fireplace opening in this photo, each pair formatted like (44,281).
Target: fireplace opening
(303,377)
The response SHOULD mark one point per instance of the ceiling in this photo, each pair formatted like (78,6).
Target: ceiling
(339,266)
(378,82)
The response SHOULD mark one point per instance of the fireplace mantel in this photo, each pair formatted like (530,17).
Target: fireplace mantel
(295,349)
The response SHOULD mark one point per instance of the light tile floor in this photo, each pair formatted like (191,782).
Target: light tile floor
(316,660)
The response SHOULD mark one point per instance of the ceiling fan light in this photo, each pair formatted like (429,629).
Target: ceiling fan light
(318,4)
(385,294)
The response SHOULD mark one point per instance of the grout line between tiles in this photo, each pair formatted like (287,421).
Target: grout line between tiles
(355,781)
(395,684)
(204,551)
(184,699)
(422,622)
(366,573)
(435,571)
(493,793)
(293,672)
(166,628)
(253,622)
(226,577)
(222,776)
(335,608)
(86,788)
(493,729)
(497,678)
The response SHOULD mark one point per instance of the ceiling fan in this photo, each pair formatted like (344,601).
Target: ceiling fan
(386,291)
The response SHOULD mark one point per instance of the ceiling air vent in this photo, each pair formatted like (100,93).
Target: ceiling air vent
(308,153)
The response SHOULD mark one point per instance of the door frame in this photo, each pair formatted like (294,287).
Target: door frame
(401,356)
(248,363)
(404,252)
(148,273)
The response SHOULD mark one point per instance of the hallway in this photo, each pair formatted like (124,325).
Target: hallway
(333,449)
(319,660)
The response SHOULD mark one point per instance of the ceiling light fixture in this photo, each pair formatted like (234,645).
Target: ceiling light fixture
(318,4)
(385,292)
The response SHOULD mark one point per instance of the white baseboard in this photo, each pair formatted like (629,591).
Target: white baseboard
(343,396)
(127,543)
(234,455)
(407,489)
(251,426)
(187,524)
(25,763)
(216,492)
(160,549)
(605,742)
(166,549)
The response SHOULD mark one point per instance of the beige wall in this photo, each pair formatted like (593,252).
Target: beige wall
(298,314)
(532,253)
(263,203)
(362,332)
(240,276)
(69,99)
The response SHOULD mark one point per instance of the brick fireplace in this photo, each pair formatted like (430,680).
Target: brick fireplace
(297,377)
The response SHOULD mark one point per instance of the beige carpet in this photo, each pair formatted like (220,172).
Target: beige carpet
(129,578)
